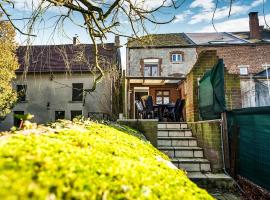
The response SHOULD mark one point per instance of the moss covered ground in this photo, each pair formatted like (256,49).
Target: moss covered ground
(88,161)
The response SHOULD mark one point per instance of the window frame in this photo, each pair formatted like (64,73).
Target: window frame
(243,67)
(77,97)
(16,121)
(71,115)
(151,66)
(176,55)
(173,53)
(162,96)
(154,62)
(56,111)
(21,92)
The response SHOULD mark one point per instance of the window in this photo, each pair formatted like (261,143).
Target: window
(162,97)
(150,70)
(151,67)
(59,115)
(16,120)
(77,91)
(75,113)
(243,69)
(177,57)
(21,91)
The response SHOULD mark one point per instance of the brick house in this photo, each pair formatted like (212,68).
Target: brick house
(52,82)
(156,67)
(245,54)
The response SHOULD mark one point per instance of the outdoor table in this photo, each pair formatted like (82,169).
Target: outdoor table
(161,108)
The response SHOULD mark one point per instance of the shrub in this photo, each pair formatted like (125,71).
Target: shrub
(95,161)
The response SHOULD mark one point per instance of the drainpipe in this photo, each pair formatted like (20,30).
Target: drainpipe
(267,76)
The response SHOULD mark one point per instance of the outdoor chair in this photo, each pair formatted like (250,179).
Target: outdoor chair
(177,112)
(149,108)
(140,109)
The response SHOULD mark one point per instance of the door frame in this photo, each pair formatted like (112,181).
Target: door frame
(138,89)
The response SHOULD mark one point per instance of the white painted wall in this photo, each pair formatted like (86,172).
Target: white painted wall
(41,90)
(168,68)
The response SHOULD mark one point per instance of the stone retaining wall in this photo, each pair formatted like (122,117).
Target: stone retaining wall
(146,126)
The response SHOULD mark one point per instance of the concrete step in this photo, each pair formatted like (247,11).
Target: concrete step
(175,125)
(182,152)
(174,132)
(192,164)
(212,181)
(177,141)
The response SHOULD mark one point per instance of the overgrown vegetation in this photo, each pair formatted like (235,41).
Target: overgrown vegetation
(8,65)
(87,160)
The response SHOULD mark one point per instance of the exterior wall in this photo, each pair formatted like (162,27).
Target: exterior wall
(206,61)
(167,67)
(173,88)
(208,134)
(253,55)
(41,91)
(248,93)
(146,126)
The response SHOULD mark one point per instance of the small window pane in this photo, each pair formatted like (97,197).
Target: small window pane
(159,100)
(154,71)
(21,91)
(16,120)
(166,93)
(147,71)
(243,71)
(177,57)
(75,113)
(77,91)
(159,93)
(166,100)
(59,115)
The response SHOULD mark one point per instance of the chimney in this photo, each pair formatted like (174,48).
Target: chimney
(75,40)
(117,41)
(254,26)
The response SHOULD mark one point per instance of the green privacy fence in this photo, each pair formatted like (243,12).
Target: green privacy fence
(211,93)
(252,126)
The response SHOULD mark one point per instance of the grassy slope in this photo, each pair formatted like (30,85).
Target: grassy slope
(96,162)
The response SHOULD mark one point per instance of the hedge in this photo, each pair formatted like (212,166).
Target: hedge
(88,161)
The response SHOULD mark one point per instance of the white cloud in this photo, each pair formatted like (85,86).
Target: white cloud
(221,13)
(206,5)
(150,4)
(240,24)
(257,2)
(183,16)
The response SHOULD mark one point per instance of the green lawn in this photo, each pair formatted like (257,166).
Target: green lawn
(92,161)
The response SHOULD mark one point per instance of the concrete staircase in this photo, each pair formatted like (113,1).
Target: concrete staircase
(176,140)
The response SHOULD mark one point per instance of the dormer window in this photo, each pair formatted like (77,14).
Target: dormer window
(176,56)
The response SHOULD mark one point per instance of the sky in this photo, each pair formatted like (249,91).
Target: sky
(191,16)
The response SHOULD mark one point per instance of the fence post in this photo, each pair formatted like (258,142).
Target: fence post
(225,139)
(234,151)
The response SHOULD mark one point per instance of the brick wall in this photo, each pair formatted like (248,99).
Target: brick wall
(253,55)
(208,136)
(206,60)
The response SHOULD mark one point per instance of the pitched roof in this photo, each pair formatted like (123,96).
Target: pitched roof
(160,40)
(214,38)
(265,36)
(63,58)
